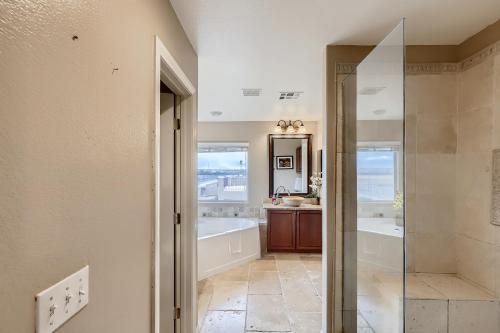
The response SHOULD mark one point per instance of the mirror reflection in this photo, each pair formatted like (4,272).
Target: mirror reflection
(290,164)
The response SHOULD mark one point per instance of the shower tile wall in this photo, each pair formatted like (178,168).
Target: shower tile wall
(452,127)
(431,144)
(478,111)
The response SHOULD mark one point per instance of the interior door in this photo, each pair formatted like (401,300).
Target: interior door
(167,214)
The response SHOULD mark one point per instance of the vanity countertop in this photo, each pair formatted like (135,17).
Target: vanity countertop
(301,207)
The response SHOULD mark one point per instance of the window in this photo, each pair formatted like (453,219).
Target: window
(222,172)
(377,168)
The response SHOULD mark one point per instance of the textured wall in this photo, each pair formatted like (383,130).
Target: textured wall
(76,121)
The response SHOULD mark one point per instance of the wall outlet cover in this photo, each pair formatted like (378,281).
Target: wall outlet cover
(57,304)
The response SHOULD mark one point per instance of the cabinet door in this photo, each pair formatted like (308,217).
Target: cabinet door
(280,230)
(309,228)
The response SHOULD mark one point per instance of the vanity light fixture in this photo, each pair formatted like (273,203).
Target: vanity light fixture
(290,127)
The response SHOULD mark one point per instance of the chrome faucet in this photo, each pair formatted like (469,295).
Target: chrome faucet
(281,187)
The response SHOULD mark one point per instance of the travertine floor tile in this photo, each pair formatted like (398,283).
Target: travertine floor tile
(239,273)
(263,265)
(362,322)
(203,302)
(300,296)
(290,265)
(264,283)
(266,313)
(230,295)
(250,298)
(224,322)
(286,256)
(313,265)
(305,322)
(316,280)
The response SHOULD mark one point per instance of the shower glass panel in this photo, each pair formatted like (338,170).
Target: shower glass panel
(373,202)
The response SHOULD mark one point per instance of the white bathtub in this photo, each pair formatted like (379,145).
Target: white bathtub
(380,242)
(226,242)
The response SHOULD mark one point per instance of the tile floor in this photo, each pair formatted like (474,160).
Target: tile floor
(278,293)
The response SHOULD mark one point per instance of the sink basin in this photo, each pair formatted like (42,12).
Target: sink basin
(292,201)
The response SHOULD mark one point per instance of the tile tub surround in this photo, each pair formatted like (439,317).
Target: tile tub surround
(229,210)
(278,293)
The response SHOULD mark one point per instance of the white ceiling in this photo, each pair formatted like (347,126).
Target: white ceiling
(279,45)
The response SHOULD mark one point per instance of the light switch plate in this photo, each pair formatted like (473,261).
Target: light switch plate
(57,304)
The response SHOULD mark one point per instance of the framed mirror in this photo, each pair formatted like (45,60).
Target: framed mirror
(290,163)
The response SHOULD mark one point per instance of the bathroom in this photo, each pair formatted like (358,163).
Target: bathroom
(416,227)
(246,264)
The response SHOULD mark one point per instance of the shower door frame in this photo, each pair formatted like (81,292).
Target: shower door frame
(343,60)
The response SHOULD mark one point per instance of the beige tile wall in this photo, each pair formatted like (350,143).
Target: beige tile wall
(452,126)
(475,241)
(431,144)
(496,145)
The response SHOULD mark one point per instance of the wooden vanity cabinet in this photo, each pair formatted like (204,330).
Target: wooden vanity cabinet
(281,230)
(294,230)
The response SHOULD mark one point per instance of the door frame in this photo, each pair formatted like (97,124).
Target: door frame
(168,70)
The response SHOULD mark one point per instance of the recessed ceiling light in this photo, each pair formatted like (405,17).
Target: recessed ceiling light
(216,113)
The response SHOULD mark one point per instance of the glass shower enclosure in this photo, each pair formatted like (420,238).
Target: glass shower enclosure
(373,190)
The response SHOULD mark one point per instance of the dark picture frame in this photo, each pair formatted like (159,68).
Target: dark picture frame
(284,162)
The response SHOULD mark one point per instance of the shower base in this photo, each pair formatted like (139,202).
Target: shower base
(447,303)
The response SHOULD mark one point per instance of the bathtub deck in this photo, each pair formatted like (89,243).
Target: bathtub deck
(278,293)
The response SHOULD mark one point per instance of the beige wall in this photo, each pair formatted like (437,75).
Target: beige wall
(478,243)
(451,130)
(76,154)
(431,140)
(256,134)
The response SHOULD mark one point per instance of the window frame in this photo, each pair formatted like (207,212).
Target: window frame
(398,166)
(219,142)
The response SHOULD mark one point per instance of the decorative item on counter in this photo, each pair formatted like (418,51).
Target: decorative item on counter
(316,182)
(398,205)
(274,200)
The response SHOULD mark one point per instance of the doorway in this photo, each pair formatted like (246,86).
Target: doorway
(169,212)
(174,248)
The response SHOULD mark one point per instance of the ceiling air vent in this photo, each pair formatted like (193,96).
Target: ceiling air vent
(251,92)
(289,94)
(371,90)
